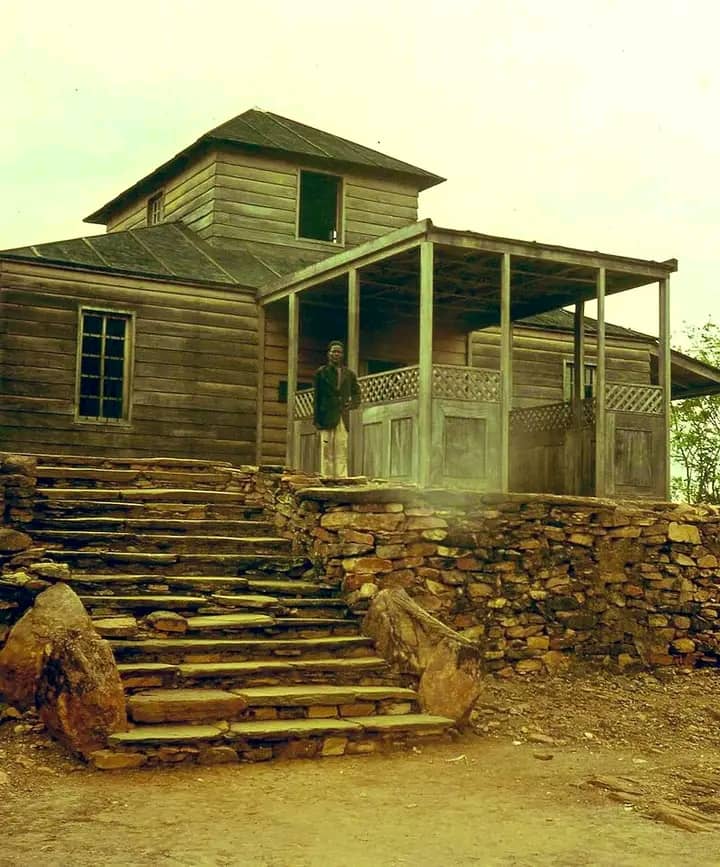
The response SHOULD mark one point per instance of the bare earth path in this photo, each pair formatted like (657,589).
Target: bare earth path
(573,771)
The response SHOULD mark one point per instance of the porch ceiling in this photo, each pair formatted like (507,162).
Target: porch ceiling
(467,275)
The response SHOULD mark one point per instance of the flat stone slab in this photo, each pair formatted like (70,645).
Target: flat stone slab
(130,668)
(166,734)
(296,588)
(184,705)
(209,645)
(247,600)
(152,603)
(403,722)
(115,627)
(199,670)
(311,694)
(281,729)
(228,621)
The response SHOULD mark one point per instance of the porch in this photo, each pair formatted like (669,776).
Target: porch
(409,301)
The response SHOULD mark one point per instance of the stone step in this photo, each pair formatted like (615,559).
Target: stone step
(228,622)
(47,459)
(146,602)
(59,508)
(238,601)
(260,740)
(187,704)
(194,650)
(137,675)
(210,477)
(215,564)
(293,593)
(180,526)
(144,495)
(159,542)
(323,695)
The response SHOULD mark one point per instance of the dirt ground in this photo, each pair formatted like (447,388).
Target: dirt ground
(583,770)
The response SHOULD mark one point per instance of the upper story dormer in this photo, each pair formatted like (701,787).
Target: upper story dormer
(264,178)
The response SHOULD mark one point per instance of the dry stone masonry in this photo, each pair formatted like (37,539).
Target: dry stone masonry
(537,580)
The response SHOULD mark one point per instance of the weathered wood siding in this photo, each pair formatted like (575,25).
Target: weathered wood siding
(190,198)
(257,198)
(538,361)
(194,385)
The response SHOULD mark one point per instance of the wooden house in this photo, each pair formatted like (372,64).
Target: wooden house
(193,325)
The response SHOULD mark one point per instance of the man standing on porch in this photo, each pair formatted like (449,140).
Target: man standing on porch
(336,393)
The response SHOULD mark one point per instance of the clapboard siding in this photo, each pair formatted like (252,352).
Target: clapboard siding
(186,197)
(194,373)
(539,360)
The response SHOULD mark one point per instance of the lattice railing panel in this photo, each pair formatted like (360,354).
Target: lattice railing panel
(466,383)
(400,384)
(551,416)
(304,404)
(631,397)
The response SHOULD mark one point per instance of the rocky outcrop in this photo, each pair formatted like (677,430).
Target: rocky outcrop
(449,666)
(55,661)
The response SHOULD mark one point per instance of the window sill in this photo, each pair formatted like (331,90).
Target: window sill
(103,423)
(324,245)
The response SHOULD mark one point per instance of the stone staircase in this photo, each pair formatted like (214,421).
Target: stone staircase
(229,646)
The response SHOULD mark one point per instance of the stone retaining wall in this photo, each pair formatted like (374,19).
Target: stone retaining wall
(537,579)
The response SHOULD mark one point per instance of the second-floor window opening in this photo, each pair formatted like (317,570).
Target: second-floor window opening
(155,209)
(320,211)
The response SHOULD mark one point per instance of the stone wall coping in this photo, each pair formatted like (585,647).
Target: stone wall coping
(380,493)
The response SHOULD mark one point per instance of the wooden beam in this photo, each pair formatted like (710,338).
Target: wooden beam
(425,364)
(260,387)
(293,347)
(353,323)
(601,426)
(381,248)
(505,372)
(553,253)
(665,374)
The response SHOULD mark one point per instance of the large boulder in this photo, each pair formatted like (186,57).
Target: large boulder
(54,660)
(449,666)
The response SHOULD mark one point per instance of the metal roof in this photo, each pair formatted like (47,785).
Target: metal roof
(264,131)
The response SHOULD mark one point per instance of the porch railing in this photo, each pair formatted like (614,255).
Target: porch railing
(634,397)
(551,416)
(449,381)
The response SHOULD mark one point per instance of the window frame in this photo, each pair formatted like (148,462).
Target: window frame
(568,366)
(156,198)
(128,365)
(340,209)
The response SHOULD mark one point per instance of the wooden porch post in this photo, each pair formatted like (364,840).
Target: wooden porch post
(665,374)
(293,346)
(601,450)
(505,372)
(425,363)
(260,404)
(579,360)
(353,322)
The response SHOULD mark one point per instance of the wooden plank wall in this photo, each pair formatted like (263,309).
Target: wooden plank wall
(384,336)
(195,366)
(189,198)
(256,200)
(538,362)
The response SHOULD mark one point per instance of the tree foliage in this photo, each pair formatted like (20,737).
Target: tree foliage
(695,429)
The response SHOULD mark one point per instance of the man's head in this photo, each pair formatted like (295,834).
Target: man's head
(335,353)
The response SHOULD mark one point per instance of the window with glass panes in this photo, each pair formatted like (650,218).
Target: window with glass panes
(103,365)
(569,380)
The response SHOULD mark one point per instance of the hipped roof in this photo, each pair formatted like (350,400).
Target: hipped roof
(263,131)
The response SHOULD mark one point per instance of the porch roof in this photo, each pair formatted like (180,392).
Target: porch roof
(467,273)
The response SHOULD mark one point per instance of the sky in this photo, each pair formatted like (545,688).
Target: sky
(575,122)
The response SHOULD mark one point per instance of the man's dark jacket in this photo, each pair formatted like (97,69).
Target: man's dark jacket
(332,401)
